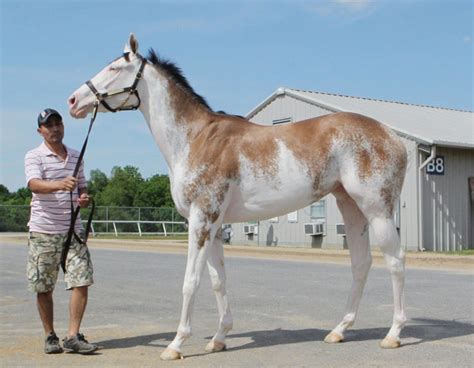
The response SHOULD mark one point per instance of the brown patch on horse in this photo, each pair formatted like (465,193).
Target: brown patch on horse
(216,147)
(310,142)
(259,146)
(185,107)
(369,139)
(203,236)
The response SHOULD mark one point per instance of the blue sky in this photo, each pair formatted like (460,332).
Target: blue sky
(235,54)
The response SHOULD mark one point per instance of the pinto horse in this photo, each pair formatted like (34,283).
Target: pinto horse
(225,169)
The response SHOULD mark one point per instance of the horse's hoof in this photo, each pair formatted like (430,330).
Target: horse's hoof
(333,338)
(170,354)
(390,343)
(215,346)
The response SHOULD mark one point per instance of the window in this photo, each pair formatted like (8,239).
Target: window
(273,219)
(293,216)
(282,121)
(318,210)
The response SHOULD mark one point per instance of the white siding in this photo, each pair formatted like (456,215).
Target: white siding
(409,199)
(284,107)
(446,203)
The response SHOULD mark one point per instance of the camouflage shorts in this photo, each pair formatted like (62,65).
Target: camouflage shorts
(44,258)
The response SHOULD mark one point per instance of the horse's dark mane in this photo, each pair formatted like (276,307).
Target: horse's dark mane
(175,73)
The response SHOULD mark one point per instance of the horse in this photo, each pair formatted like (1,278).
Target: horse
(225,169)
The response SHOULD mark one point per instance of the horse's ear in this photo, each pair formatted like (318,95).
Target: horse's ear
(132,44)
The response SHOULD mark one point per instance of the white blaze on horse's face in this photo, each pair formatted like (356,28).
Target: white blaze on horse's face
(118,74)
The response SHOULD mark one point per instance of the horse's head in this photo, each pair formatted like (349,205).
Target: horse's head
(114,87)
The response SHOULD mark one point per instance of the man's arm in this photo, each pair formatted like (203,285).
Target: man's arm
(49,186)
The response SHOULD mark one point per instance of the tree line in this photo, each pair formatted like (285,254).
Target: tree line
(125,187)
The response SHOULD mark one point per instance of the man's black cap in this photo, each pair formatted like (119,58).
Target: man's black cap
(46,114)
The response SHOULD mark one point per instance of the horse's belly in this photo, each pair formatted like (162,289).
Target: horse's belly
(266,203)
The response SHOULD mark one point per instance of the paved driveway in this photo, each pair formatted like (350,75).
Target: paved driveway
(282,311)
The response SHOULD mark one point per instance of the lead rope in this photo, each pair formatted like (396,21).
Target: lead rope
(75,212)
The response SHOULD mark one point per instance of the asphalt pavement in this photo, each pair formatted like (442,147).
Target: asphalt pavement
(282,311)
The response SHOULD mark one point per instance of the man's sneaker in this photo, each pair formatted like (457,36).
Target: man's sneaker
(51,344)
(78,344)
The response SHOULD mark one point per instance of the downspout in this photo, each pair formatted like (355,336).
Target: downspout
(420,194)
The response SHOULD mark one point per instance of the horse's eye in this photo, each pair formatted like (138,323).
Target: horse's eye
(113,68)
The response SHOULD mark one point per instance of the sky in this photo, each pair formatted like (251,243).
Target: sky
(234,53)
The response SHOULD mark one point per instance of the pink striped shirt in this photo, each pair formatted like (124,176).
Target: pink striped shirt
(51,212)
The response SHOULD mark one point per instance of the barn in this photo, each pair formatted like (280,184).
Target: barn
(436,208)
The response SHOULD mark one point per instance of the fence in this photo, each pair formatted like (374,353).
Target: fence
(108,219)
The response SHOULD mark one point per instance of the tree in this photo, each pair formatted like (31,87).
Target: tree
(4,193)
(154,192)
(122,187)
(97,183)
(21,197)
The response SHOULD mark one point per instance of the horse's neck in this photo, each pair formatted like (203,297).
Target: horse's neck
(172,129)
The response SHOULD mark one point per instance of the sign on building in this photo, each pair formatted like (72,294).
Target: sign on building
(436,166)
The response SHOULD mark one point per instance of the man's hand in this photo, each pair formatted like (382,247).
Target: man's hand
(83,200)
(69,183)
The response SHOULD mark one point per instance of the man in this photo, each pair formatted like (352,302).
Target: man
(49,169)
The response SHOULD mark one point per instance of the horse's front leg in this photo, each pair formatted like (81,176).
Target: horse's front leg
(216,268)
(201,233)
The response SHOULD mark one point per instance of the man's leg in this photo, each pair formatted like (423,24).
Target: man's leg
(44,302)
(44,251)
(78,279)
(77,307)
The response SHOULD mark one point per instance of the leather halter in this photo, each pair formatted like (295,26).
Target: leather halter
(132,90)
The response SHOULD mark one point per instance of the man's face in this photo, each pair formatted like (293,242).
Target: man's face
(53,130)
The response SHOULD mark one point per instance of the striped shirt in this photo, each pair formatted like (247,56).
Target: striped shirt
(51,212)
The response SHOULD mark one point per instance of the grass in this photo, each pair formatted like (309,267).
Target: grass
(464,252)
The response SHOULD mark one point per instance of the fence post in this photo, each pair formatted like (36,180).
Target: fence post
(107,218)
(172,219)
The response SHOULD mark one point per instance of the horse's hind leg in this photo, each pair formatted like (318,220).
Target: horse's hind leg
(356,227)
(216,268)
(387,238)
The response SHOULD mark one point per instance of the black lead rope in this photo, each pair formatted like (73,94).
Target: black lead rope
(75,212)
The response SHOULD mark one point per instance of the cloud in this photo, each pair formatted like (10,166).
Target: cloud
(355,5)
(343,9)
(467,39)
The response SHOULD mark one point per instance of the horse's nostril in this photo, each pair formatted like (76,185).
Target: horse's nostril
(72,101)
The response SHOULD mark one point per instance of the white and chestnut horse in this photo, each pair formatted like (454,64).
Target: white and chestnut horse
(225,169)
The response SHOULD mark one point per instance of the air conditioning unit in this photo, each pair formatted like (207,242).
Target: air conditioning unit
(340,229)
(250,229)
(314,228)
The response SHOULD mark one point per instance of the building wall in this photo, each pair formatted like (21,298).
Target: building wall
(447,204)
(409,199)
(285,106)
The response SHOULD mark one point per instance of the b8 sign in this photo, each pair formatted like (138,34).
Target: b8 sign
(436,166)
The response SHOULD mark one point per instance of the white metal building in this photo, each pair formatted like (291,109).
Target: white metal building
(436,208)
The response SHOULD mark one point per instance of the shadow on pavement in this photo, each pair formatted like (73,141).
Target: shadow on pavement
(422,329)
(144,340)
